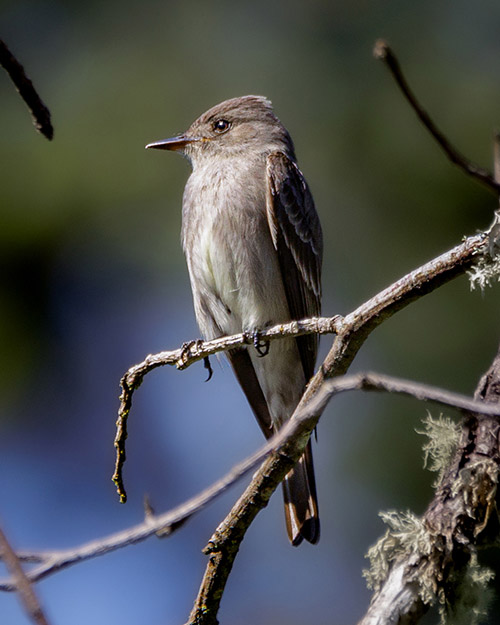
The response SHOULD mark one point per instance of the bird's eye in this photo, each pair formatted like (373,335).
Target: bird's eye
(221,125)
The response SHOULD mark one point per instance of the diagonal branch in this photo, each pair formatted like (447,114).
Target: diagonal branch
(161,525)
(25,88)
(383,52)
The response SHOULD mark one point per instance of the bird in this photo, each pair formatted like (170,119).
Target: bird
(253,245)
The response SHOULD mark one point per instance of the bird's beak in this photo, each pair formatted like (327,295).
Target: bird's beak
(174,143)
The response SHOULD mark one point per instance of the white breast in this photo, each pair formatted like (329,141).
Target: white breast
(234,269)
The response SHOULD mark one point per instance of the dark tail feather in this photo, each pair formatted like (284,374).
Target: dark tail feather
(301,503)
(299,486)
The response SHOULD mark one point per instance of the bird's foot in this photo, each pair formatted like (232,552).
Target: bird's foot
(187,350)
(262,346)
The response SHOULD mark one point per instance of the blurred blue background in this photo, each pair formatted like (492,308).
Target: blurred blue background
(93,279)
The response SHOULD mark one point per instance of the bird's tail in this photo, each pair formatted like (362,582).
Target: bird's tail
(301,503)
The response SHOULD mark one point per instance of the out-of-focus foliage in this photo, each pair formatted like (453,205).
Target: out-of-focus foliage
(93,279)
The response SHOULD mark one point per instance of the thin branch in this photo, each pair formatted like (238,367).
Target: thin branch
(21,582)
(390,384)
(25,88)
(282,443)
(164,524)
(357,325)
(383,52)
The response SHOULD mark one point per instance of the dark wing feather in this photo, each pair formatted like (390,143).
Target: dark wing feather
(246,376)
(298,240)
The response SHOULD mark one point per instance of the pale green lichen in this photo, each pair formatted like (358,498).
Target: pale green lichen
(443,436)
(406,534)
(484,273)
(467,599)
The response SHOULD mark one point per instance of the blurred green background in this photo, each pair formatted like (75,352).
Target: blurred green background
(93,279)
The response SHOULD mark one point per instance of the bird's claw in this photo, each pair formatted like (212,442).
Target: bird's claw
(187,346)
(208,367)
(186,352)
(260,345)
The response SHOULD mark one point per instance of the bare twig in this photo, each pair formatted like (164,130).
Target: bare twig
(165,524)
(390,384)
(283,443)
(25,88)
(357,325)
(21,582)
(383,52)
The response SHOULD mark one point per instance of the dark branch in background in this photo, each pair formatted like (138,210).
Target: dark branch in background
(25,88)
(22,584)
(167,523)
(383,52)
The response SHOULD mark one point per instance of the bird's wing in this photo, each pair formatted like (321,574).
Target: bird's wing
(246,376)
(297,237)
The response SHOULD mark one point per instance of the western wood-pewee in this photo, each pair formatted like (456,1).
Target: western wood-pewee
(253,245)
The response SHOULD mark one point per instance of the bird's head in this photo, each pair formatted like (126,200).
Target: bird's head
(232,128)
